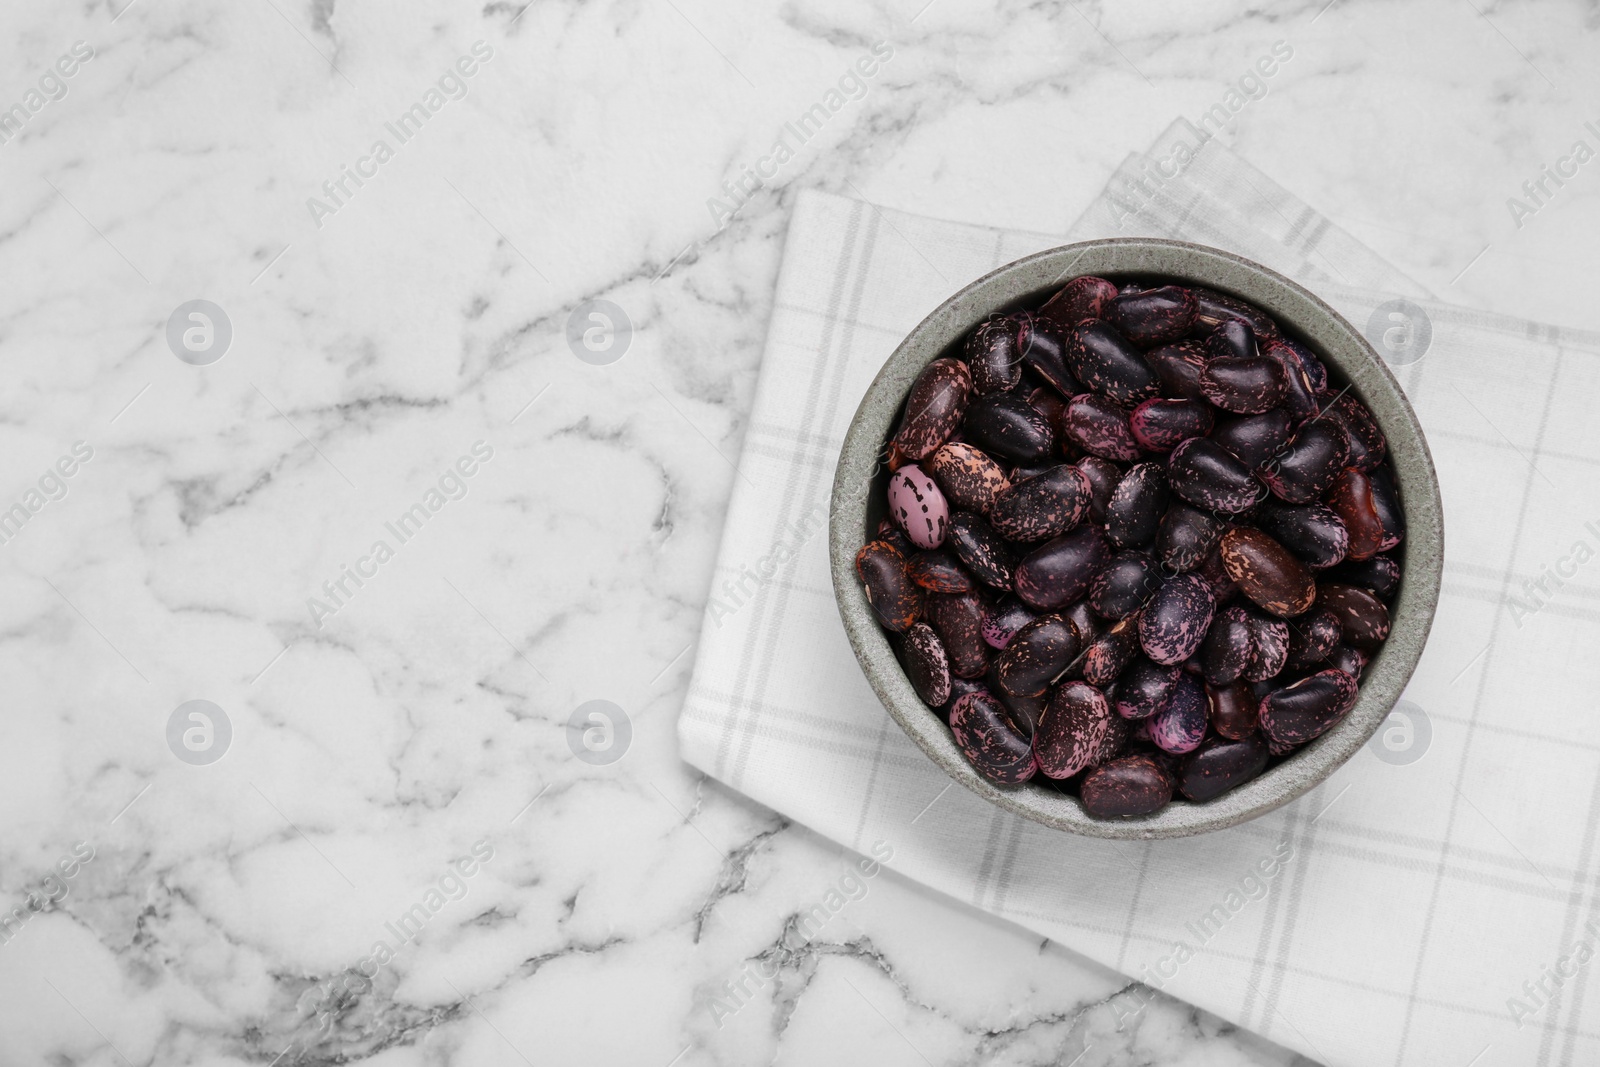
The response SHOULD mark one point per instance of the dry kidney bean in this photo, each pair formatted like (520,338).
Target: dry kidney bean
(1008,426)
(1234,710)
(1175,621)
(1002,619)
(1144,687)
(1133,515)
(1035,655)
(1153,316)
(924,658)
(992,354)
(1180,725)
(1187,536)
(1160,424)
(918,506)
(1108,365)
(1100,427)
(969,478)
(1267,573)
(1058,572)
(1090,426)
(1247,385)
(1305,470)
(958,619)
(1081,298)
(992,742)
(895,598)
(1124,585)
(934,408)
(1073,730)
(1313,532)
(1306,710)
(1126,786)
(1254,439)
(1363,620)
(1209,476)
(1220,765)
(981,550)
(1042,506)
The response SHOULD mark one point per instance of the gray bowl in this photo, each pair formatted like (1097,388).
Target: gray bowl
(859,489)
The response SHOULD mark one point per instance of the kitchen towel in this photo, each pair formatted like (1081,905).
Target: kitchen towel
(1432,902)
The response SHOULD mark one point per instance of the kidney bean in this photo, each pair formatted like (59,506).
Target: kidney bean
(981,550)
(938,572)
(1133,515)
(1279,748)
(1035,655)
(958,619)
(1099,427)
(1104,477)
(1042,506)
(1153,316)
(1207,476)
(1300,398)
(1215,572)
(1254,439)
(1234,710)
(1108,365)
(1350,660)
(934,408)
(918,506)
(1305,470)
(1110,653)
(1221,765)
(1378,575)
(1174,623)
(1073,732)
(1312,638)
(1144,687)
(1231,339)
(1043,345)
(1010,427)
(992,354)
(1352,498)
(1269,647)
(1025,711)
(1179,367)
(1125,787)
(1214,308)
(1090,625)
(1004,618)
(1047,403)
(1058,571)
(969,478)
(1187,536)
(1247,385)
(1228,647)
(1160,424)
(1123,586)
(923,656)
(889,531)
(1081,298)
(1267,573)
(1313,532)
(1316,373)
(1180,725)
(1367,444)
(1386,502)
(959,687)
(1363,620)
(992,742)
(894,597)
(1307,709)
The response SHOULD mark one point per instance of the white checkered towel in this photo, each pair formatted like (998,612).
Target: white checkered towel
(1432,898)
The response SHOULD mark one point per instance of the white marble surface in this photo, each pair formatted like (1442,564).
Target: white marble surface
(225,906)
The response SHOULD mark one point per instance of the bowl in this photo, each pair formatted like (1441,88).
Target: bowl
(858,503)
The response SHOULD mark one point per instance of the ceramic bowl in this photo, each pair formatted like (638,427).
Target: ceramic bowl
(859,491)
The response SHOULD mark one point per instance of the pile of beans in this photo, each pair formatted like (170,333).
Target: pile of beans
(1137,544)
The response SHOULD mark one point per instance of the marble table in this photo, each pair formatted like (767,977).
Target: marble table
(304,582)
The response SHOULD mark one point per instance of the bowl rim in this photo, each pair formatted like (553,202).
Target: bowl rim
(1330,336)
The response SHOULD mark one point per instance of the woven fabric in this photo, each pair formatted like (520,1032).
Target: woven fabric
(1427,904)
